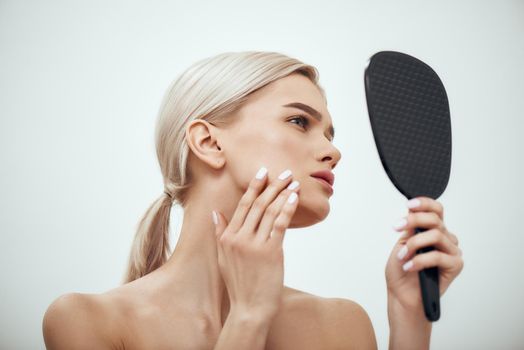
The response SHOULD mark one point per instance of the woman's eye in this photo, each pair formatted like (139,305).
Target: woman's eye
(303,119)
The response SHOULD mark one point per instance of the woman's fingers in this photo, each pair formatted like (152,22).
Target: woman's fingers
(244,205)
(433,238)
(426,204)
(432,219)
(220,225)
(258,209)
(453,238)
(434,258)
(275,211)
(281,224)
(426,220)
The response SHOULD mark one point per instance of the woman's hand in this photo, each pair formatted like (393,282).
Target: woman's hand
(404,286)
(250,254)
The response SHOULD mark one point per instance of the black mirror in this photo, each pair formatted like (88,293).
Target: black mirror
(409,114)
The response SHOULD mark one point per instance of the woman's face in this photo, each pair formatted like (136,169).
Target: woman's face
(267,133)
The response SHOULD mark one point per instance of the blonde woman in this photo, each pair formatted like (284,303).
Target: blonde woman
(244,142)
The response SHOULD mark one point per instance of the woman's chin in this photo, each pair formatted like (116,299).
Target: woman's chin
(310,214)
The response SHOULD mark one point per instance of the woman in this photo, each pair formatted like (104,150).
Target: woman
(225,119)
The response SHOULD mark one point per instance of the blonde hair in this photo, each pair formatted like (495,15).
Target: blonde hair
(212,89)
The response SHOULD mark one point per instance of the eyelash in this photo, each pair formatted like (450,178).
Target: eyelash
(303,118)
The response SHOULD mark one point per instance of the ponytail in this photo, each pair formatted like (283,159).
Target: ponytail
(150,248)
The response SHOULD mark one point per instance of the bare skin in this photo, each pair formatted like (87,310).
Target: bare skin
(185,303)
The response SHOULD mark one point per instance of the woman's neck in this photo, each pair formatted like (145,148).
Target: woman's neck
(191,274)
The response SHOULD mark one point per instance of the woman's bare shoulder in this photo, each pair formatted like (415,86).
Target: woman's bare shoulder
(319,322)
(348,325)
(75,320)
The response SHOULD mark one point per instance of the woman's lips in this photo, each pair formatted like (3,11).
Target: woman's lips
(325,184)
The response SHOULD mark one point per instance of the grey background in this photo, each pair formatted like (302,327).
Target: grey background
(80,85)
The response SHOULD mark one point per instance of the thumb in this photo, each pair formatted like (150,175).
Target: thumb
(220,223)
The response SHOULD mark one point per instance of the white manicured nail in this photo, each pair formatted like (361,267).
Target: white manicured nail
(261,173)
(402,252)
(215,217)
(413,203)
(400,224)
(293,185)
(292,197)
(284,175)
(407,265)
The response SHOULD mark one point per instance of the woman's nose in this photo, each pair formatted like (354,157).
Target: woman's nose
(332,153)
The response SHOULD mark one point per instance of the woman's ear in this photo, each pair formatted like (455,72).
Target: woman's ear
(202,139)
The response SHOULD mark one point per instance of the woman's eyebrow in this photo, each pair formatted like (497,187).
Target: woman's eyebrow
(313,112)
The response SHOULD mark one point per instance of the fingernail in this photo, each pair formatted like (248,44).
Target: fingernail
(402,252)
(407,265)
(292,197)
(284,175)
(261,173)
(293,185)
(400,224)
(413,203)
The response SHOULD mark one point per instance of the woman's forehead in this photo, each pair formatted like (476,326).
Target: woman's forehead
(294,88)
